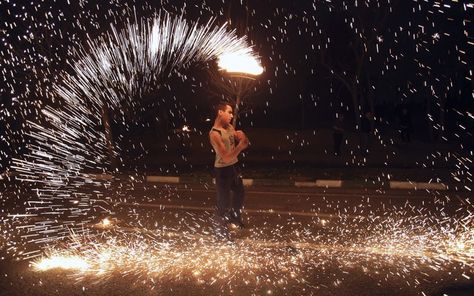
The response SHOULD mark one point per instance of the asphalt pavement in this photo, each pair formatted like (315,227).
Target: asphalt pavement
(297,241)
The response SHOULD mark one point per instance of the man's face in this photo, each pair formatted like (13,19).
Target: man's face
(226,115)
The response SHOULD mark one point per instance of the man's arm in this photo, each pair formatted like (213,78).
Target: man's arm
(220,147)
(240,136)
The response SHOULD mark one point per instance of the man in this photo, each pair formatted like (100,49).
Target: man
(227,144)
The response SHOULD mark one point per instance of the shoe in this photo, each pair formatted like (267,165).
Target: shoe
(237,223)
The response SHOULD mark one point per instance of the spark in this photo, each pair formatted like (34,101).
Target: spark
(112,70)
(64,138)
(106,222)
(160,255)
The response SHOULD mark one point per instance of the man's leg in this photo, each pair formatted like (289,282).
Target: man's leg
(238,195)
(223,186)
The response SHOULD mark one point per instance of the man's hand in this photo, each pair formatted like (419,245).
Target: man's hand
(218,145)
(242,139)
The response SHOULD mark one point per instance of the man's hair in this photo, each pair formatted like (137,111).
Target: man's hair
(221,106)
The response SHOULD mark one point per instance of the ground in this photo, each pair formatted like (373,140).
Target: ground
(297,242)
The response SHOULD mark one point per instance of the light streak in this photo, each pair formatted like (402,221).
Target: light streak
(111,71)
(134,57)
(62,262)
(166,255)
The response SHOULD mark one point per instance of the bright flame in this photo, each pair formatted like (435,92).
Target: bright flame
(238,62)
(106,222)
(62,262)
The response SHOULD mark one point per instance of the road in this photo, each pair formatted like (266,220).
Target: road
(298,241)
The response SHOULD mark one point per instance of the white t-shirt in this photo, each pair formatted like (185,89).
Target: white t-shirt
(227,136)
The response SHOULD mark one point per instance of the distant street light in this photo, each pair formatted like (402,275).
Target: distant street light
(243,68)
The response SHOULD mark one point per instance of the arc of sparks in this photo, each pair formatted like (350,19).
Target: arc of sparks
(122,65)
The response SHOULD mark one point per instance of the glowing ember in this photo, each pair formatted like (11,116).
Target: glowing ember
(62,262)
(59,77)
(106,222)
(111,72)
(168,255)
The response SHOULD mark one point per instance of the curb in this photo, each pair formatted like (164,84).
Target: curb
(320,183)
(417,185)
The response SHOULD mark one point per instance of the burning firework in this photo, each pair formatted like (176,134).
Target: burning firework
(66,138)
(161,256)
(236,62)
(120,66)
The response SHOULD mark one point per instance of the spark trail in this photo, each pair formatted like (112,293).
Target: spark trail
(110,72)
(396,250)
(66,138)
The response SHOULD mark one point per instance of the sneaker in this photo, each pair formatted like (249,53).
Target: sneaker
(237,223)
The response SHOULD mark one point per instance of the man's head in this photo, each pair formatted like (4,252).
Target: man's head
(224,113)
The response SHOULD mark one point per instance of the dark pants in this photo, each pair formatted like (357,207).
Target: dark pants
(230,193)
